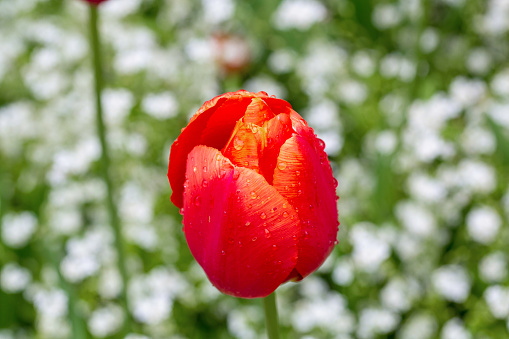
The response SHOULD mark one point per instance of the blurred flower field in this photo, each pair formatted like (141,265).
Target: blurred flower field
(411,98)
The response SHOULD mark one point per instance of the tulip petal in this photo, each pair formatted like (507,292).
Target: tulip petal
(239,228)
(304,177)
(258,112)
(210,126)
(279,129)
(245,145)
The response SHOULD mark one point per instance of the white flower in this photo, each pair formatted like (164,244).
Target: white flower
(373,321)
(500,83)
(161,106)
(424,188)
(328,312)
(369,249)
(452,282)
(106,321)
(110,283)
(477,140)
(282,61)
(363,64)
(497,298)
(117,104)
(493,267)
(386,142)
(217,11)
(483,224)
(51,303)
(420,326)
(352,92)
(398,294)
(467,92)
(477,176)
(479,61)
(14,278)
(152,295)
(429,40)
(386,16)
(17,229)
(343,272)
(454,329)
(299,14)
(416,218)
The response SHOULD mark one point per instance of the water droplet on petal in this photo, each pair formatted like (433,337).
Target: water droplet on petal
(205,169)
(306,235)
(253,195)
(205,183)
(247,223)
(249,206)
(236,175)
(281,165)
(219,157)
(254,128)
(335,182)
(336,242)
(186,183)
(197,201)
(274,246)
(181,211)
(254,238)
(223,252)
(267,233)
(285,214)
(311,207)
(320,143)
(263,215)
(238,143)
(194,169)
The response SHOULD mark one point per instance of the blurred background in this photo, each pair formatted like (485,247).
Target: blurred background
(410,96)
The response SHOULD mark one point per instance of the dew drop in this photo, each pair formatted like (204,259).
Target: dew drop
(247,223)
(336,242)
(249,206)
(194,169)
(281,165)
(263,215)
(321,144)
(254,239)
(284,205)
(204,169)
(219,157)
(254,129)
(197,201)
(186,183)
(335,182)
(311,207)
(267,233)
(297,172)
(236,175)
(274,246)
(299,192)
(253,195)
(181,211)
(238,192)
(223,252)
(306,235)
(238,144)
(285,214)
(205,183)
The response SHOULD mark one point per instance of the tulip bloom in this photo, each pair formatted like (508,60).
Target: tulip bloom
(95,2)
(256,192)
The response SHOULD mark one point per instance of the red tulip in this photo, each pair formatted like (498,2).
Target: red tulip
(95,2)
(256,191)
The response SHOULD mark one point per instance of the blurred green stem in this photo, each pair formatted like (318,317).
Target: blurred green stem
(269,305)
(105,159)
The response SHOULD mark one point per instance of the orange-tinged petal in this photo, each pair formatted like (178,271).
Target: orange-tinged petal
(258,112)
(239,228)
(304,177)
(210,126)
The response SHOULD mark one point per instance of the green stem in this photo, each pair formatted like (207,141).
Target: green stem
(269,305)
(105,160)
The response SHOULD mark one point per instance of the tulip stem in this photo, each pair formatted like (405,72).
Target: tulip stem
(269,305)
(105,161)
